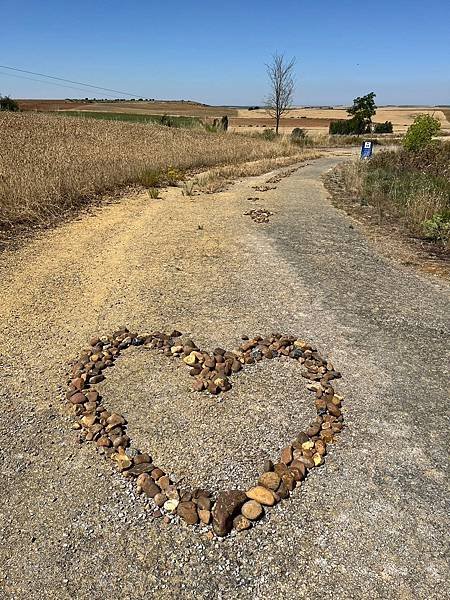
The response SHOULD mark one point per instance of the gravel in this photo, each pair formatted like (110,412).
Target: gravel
(370,524)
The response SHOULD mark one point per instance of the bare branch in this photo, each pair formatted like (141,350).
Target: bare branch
(281,81)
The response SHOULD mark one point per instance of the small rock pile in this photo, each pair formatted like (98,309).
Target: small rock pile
(211,371)
(277,178)
(264,188)
(259,215)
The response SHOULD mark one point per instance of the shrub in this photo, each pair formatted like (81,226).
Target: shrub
(354,126)
(438,227)
(7,103)
(421,132)
(269,135)
(298,135)
(152,178)
(153,193)
(385,127)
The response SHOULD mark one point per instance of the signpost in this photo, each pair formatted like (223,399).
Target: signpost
(366,149)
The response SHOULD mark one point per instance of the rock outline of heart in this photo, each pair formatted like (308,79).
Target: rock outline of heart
(232,509)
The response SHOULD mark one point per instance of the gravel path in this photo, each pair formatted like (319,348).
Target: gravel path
(371,523)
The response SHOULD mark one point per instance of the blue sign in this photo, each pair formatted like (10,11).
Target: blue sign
(366,149)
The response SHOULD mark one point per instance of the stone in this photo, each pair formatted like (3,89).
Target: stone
(205,516)
(270,480)
(261,495)
(317,458)
(159,499)
(136,470)
(171,491)
(188,512)
(286,455)
(190,359)
(164,482)
(252,510)
(147,485)
(123,460)
(88,420)
(240,523)
(78,398)
(227,505)
(302,437)
(203,503)
(142,458)
(157,473)
(268,465)
(171,505)
(313,429)
(308,445)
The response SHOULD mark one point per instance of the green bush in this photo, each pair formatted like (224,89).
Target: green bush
(420,133)
(354,126)
(438,227)
(385,127)
(7,103)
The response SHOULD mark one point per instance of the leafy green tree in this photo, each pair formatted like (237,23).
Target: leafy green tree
(363,109)
(421,132)
(7,103)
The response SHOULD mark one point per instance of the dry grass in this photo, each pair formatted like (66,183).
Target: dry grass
(49,165)
(411,188)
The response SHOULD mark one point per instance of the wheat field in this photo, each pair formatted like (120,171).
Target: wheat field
(50,164)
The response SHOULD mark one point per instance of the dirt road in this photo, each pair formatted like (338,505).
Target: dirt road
(370,524)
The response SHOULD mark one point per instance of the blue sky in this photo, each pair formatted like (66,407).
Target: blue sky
(215,51)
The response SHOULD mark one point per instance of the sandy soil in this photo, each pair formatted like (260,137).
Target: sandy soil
(370,524)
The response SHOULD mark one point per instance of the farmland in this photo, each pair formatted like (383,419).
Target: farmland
(50,164)
(241,119)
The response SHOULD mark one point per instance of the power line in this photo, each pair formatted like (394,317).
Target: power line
(97,87)
(71,87)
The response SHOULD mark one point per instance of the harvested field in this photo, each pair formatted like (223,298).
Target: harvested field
(50,164)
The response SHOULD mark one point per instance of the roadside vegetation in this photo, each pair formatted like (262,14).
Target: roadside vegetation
(49,164)
(411,184)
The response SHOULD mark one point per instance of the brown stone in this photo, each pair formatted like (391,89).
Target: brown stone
(205,516)
(286,455)
(78,398)
(164,482)
(188,512)
(270,480)
(240,523)
(261,495)
(280,468)
(147,485)
(302,437)
(252,510)
(227,505)
(159,499)
(142,458)
(157,473)
(203,503)
(136,470)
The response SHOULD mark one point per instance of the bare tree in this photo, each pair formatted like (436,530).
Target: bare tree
(281,80)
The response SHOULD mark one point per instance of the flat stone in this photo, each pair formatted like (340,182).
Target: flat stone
(261,495)
(227,505)
(136,470)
